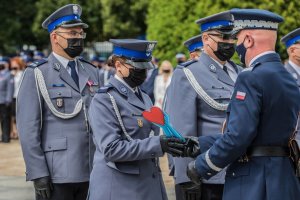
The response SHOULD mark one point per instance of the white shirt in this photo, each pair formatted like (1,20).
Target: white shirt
(231,71)
(64,61)
(122,81)
(296,67)
(160,87)
(260,55)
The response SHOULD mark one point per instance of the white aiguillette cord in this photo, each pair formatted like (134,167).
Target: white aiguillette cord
(43,89)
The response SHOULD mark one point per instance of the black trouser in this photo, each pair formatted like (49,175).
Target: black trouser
(68,191)
(5,122)
(203,192)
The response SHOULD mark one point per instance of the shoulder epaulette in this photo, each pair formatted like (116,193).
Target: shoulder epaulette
(38,63)
(83,60)
(187,63)
(105,88)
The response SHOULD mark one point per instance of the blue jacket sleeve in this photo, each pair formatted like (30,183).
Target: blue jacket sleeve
(181,105)
(29,117)
(10,89)
(108,135)
(243,119)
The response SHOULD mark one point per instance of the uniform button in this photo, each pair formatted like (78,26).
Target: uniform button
(59,93)
(208,173)
(152,154)
(49,147)
(233,174)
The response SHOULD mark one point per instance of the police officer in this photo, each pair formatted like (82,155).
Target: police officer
(262,116)
(195,46)
(127,146)
(198,96)
(52,104)
(6,96)
(292,43)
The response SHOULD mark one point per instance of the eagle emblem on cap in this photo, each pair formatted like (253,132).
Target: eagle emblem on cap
(75,9)
(150,47)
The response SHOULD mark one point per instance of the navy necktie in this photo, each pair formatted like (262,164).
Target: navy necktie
(225,69)
(74,74)
(138,95)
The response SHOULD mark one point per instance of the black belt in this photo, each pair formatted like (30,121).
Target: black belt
(271,151)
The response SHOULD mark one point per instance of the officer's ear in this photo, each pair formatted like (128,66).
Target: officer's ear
(53,37)
(249,41)
(205,37)
(118,65)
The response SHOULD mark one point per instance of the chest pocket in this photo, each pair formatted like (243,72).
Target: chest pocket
(59,96)
(221,96)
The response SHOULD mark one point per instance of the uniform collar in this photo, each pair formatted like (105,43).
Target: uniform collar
(124,83)
(128,92)
(295,67)
(64,61)
(260,55)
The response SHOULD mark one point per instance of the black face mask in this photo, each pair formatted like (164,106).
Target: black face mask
(166,71)
(136,77)
(75,46)
(241,51)
(224,50)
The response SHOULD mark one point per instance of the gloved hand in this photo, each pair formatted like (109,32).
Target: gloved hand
(173,146)
(43,187)
(191,147)
(192,173)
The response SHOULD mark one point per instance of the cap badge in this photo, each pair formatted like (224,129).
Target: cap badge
(75,10)
(150,47)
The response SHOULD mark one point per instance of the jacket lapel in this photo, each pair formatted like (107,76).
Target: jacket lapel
(83,76)
(293,72)
(215,68)
(63,73)
(131,97)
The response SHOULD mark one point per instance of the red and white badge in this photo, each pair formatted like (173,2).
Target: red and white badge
(240,95)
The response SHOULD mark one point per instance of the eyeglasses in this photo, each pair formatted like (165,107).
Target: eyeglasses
(75,34)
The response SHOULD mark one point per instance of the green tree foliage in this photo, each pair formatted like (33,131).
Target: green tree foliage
(124,18)
(16,18)
(172,22)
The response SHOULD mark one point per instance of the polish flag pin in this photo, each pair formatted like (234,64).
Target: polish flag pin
(240,95)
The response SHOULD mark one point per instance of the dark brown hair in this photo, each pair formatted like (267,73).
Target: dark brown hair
(111,61)
(19,61)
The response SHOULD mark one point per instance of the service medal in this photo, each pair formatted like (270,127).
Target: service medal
(59,102)
(140,122)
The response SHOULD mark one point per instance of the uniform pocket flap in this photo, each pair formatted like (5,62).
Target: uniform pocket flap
(59,92)
(125,167)
(219,94)
(55,144)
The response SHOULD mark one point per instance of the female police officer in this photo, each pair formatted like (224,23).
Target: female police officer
(127,146)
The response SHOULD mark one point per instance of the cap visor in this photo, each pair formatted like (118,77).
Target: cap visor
(141,65)
(83,25)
